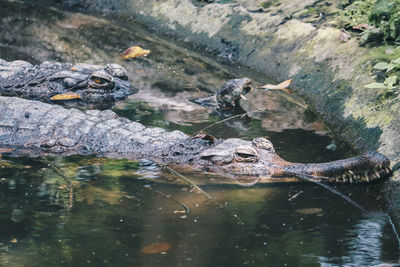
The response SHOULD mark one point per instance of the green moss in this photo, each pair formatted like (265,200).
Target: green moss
(270,3)
(371,116)
(309,11)
(381,53)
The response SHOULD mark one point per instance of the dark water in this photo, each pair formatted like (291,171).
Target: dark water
(79,211)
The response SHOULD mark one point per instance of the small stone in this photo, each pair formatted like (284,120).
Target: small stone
(344,36)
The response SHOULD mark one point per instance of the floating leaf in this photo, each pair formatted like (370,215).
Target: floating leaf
(375,85)
(282,86)
(134,51)
(14,240)
(308,211)
(156,248)
(66,96)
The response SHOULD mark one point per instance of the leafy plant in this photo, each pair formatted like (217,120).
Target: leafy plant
(379,20)
(392,76)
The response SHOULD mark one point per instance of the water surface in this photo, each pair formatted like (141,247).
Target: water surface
(77,211)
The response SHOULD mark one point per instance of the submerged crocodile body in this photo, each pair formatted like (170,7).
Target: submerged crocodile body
(77,85)
(34,128)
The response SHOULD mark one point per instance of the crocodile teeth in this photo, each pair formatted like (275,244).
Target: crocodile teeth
(351,179)
(366,176)
(377,174)
(387,169)
(351,172)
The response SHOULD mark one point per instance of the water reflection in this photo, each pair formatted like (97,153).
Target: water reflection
(101,212)
(117,210)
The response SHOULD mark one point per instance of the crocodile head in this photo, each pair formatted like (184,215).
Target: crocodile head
(74,85)
(232,91)
(255,161)
(228,96)
(94,85)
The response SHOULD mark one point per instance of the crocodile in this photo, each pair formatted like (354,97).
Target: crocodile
(33,128)
(76,85)
(228,96)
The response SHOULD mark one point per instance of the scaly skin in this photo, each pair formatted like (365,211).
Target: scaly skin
(34,128)
(98,86)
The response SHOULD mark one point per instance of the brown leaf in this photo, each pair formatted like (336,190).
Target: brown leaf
(282,86)
(66,96)
(134,51)
(156,248)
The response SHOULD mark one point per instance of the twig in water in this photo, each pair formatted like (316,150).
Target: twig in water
(312,179)
(71,197)
(218,122)
(190,182)
(295,195)
(184,206)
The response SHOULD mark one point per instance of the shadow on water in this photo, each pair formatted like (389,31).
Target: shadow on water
(101,212)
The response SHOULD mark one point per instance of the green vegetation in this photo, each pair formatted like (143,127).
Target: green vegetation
(390,84)
(379,23)
(379,20)
(268,4)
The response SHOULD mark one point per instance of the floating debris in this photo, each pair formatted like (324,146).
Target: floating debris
(156,248)
(281,86)
(134,51)
(66,96)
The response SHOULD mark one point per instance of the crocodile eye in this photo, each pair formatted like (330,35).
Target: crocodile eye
(98,82)
(246,154)
(101,80)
